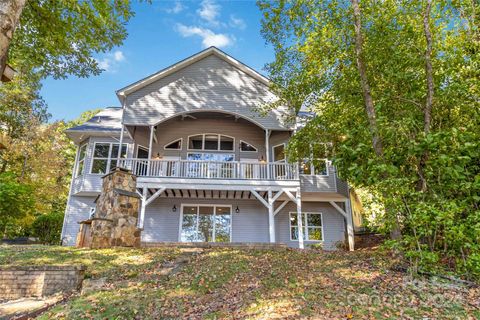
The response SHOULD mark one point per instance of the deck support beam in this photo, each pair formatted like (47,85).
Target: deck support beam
(119,154)
(347,214)
(142,208)
(271,217)
(154,196)
(299,219)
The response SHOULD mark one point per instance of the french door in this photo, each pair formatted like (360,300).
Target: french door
(206,223)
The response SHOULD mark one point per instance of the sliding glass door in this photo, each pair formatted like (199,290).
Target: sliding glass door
(206,223)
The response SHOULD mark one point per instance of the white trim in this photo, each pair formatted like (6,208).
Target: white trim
(312,167)
(240,147)
(342,212)
(77,161)
(280,207)
(206,152)
(203,142)
(182,205)
(154,196)
(109,158)
(181,144)
(305,226)
(186,62)
(259,197)
(284,150)
(138,146)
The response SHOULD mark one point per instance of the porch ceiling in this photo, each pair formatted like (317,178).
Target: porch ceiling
(206,194)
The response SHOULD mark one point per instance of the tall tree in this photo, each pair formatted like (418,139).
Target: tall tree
(394,85)
(59,37)
(10,11)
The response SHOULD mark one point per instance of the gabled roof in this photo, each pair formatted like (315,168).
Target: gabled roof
(121,93)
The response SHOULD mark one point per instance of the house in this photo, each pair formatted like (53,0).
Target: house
(209,168)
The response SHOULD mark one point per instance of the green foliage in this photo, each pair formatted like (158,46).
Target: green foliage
(16,201)
(48,227)
(315,61)
(58,38)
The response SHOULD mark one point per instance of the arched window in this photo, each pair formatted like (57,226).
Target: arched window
(174,145)
(247,147)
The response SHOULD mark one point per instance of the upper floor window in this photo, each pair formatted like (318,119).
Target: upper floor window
(312,226)
(317,167)
(211,142)
(81,160)
(247,147)
(174,145)
(105,157)
(279,152)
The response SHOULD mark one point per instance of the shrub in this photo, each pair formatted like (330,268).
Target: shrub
(47,227)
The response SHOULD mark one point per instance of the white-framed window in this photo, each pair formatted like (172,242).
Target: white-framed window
(105,157)
(204,156)
(279,153)
(317,167)
(174,145)
(81,160)
(247,147)
(205,223)
(312,226)
(211,142)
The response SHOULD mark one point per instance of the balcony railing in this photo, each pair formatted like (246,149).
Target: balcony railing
(211,169)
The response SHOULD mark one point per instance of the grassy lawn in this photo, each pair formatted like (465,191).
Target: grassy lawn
(250,284)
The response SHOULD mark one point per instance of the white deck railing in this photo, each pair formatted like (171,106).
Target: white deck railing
(211,169)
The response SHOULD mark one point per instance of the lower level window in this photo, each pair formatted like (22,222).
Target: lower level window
(205,223)
(312,226)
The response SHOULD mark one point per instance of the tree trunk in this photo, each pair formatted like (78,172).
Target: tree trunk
(427,111)
(395,233)
(367,95)
(10,11)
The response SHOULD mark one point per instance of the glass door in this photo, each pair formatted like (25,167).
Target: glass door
(206,223)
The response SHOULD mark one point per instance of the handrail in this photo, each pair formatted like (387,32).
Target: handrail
(202,169)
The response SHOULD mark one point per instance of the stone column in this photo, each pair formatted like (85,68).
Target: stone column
(116,214)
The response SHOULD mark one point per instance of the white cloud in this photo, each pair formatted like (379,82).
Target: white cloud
(209,11)
(118,56)
(209,38)
(110,61)
(177,8)
(237,22)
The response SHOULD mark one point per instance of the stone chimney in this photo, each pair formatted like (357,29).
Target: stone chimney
(116,214)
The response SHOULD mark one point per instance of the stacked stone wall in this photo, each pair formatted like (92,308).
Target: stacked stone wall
(37,281)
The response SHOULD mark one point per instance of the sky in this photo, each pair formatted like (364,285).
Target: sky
(161,34)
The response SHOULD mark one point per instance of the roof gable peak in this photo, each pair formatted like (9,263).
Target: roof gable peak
(123,92)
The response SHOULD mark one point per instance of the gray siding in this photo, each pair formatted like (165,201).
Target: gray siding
(78,209)
(249,225)
(162,224)
(208,84)
(177,128)
(333,224)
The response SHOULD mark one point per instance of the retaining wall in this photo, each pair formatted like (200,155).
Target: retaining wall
(37,281)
